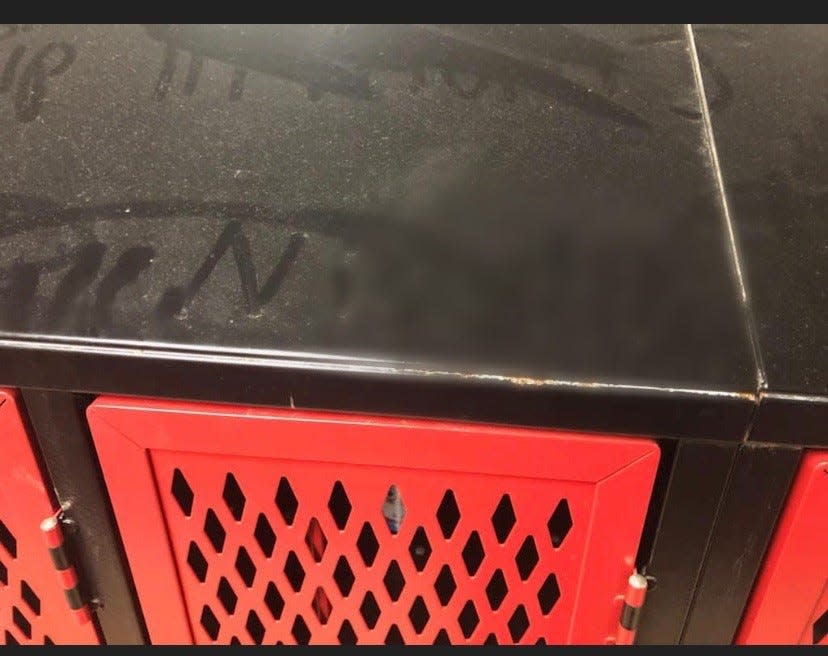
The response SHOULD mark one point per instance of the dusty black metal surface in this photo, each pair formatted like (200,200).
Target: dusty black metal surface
(770,119)
(504,224)
(534,202)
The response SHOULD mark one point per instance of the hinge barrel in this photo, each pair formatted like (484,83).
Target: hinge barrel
(631,610)
(67,575)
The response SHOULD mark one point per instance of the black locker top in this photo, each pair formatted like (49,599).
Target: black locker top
(508,223)
(768,108)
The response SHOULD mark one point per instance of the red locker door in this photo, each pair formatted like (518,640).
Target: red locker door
(279,526)
(33,609)
(789,604)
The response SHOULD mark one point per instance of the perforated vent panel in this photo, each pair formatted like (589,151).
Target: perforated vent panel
(33,609)
(789,604)
(269,566)
(313,528)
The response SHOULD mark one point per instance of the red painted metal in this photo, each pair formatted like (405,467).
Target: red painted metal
(271,523)
(624,637)
(33,609)
(789,604)
(68,578)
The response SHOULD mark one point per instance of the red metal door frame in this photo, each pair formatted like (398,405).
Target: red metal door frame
(133,436)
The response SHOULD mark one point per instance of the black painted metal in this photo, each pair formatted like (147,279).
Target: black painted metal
(532,268)
(65,443)
(766,86)
(326,385)
(791,419)
(756,490)
(697,480)
(474,199)
(668,448)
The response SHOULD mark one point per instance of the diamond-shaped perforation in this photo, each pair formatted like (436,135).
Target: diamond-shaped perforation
(549,594)
(473,553)
(197,562)
(300,631)
(227,596)
(420,549)
(214,531)
(820,628)
(181,491)
(8,540)
(315,540)
(370,610)
(527,558)
(21,622)
(442,638)
(255,627)
(245,567)
(448,514)
(339,505)
(4,574)
(265,537)
(468,619)
(210,622)
(30,597)
(274,601)
(445,585)
(394,580)
(394,637)
(560,523)
(286,501)
(419,614)
(321,605)
(503,519)
(367,544)
(347,635)
(294,572)
(496,589)
(518,623)
(344,576)
(233,497)
(393,509)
